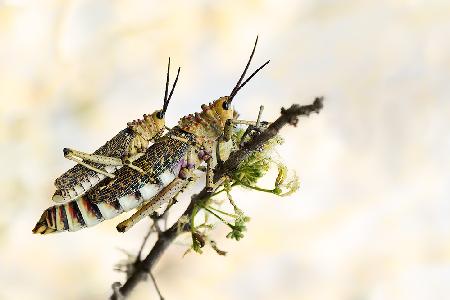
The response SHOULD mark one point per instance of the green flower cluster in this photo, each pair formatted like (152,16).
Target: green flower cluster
(246,175)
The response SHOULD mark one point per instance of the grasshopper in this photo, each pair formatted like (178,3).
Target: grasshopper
(125,147)
(162,172)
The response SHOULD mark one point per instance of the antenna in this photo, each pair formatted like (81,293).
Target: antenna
(167,99)
(238,85)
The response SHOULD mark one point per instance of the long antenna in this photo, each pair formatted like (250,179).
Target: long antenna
(239,84)
(167,83)
(171,91)
(251,76)
(168,96)
(233,92)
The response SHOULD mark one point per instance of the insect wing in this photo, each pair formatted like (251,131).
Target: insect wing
(79,179)
(161,164)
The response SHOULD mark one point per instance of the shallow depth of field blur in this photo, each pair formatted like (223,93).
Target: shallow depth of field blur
(372,217)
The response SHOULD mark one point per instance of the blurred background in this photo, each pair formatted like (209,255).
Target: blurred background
(370,220)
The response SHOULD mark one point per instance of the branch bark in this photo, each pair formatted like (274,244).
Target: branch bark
(142,269)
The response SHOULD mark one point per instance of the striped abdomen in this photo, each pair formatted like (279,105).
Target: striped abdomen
(82,212)
(86,180)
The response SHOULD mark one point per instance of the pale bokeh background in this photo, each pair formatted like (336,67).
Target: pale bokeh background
(371,220)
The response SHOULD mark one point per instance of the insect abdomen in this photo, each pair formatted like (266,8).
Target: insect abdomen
(110,198)
(75,215)
(82,212)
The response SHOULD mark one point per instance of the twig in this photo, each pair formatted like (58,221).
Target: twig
(138,256)
(143,268)
(156,286)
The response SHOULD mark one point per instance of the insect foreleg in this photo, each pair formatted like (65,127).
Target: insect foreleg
(250,128)
(228,130)
(211,163)
(209,175)
(250,123)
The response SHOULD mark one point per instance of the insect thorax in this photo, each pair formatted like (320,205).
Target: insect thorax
(206,125)
(145,130)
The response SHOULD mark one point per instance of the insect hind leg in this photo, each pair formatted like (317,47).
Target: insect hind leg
(81,158)
(164,196)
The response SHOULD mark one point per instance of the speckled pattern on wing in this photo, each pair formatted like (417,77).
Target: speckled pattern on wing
(116,147)
(164,155)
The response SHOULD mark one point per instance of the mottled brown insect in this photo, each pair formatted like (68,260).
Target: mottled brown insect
(159,174)
(122,149)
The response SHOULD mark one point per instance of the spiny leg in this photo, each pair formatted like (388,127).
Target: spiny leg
(209,170)
(228,130)
(165,195)
(250,128)
(253,124)
(80,157)
(211,186)
(100,159)
(209,176)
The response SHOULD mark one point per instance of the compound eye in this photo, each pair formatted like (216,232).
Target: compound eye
(160,115)
(226,105)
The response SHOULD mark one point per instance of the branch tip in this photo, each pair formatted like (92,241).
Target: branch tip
(165,238)
(117,295)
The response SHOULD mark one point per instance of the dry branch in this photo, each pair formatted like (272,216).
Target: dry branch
(143,267)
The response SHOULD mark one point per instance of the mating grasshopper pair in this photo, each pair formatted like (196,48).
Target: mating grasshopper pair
(126,173)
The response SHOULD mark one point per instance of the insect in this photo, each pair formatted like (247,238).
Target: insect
(159,174)
(122,149)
